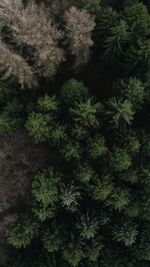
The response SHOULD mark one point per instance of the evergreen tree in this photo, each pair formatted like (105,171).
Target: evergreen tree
(74,152)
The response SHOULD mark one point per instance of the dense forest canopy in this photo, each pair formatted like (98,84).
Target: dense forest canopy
(74,133)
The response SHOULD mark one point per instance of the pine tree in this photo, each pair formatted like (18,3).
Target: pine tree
(117,40)
(126,234)
(79,25)
(97,147)
(103,188)
(69,197)
(85,113)
(38,126)
(73,253)
(22,234)
(88,226)
(120,160)
(131,89)
(120,112)
(74,175)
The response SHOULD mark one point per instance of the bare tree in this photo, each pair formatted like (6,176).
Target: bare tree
(34,30)
(15,66)
(31,27)
(79,25)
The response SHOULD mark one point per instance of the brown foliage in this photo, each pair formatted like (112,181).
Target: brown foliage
(14,65)
(31,27)
(39,40)
(79,25)
(35,29)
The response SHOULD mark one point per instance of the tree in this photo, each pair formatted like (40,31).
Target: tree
(90,5)
(51,239)
(79,25)
(138,19)
(85,113)
(130,141)
(142,250)
(73,253)
(7,125)
(88,226)
(120,160)
(131,89)
(74,92)
(85,173)
(75,175)
(126,234)
(120,112)
(43,184)
(22,234)
(103,188)
(69,197)
(117,40)
(71,151)
(31,53)
(120,199)
(38,126)
(124,36)
(97,147)
(25,23)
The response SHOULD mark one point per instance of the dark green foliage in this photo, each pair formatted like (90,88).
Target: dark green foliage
(69,197)
(142,249)
(120,160)
(84,113)
(44,188)
(117,39)
(51,239)
(88,226)
(85,173)
(97,147)
(119,199)
(38,126)
(22,234)
(41,124)
(73,92)
(138,19)
(91,205)
(131,89)
(73,253)
(48,104)
(131,142)
(145,145)
(103,188)
(7,124)
(126,234)
(92,6)
(120,112)
(106,19)
(71,151)
(124,36)
(10,108)
(6,92)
